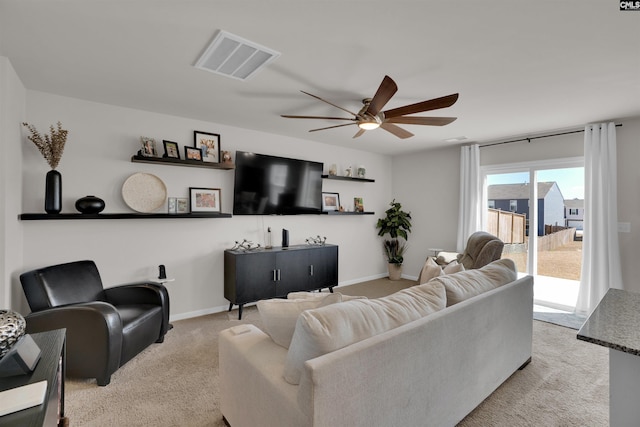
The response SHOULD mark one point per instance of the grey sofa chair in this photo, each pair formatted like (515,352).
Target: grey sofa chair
(105,327)
(482,248)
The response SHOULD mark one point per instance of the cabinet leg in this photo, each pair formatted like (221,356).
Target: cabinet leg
(331,289)
(230,306)
(240,311)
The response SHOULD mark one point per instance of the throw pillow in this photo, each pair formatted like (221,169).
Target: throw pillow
(469,283)
(429,271)
(279,315)
(453,267)
(323,330)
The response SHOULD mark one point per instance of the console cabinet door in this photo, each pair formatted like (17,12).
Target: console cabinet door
(249,277)
(323,267)
(292,271)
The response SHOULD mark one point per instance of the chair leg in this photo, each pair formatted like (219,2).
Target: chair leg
(104,381)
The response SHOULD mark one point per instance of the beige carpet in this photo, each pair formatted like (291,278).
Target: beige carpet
(176,383)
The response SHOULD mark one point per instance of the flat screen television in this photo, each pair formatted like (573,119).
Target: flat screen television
(270,185)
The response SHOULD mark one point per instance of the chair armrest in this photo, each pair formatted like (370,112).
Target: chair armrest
(94,336)
(141,293)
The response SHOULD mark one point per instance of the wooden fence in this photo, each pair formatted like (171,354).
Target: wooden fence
(508,226)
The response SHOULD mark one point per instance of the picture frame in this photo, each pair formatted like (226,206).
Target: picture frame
(204,199)
(358,204)
(182,205)
(191,153)
(148,147)
(172,205)
(330,202)
(209,143)
(171,149)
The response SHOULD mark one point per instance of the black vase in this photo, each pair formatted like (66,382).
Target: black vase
(90,205)
(53,192)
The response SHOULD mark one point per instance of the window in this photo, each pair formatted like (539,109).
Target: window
(573,211)
(513,205)
(492,204)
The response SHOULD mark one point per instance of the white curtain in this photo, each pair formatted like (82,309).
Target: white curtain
(600,251)
(470,194)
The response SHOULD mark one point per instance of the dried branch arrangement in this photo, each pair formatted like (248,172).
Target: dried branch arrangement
(51,146)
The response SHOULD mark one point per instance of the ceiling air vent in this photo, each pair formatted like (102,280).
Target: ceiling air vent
(234,57)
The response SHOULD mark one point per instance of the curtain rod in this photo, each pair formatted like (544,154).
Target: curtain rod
(536,137)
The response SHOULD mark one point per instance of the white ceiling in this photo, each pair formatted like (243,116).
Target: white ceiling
(521,67)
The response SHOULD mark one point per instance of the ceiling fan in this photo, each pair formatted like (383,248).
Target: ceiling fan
(370,117)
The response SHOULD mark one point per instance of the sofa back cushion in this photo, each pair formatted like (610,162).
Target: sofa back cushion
(279,316)
(469,283)
(326,329)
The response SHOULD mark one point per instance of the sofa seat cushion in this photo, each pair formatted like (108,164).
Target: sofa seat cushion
(469,283)
(279,316)
(322,330)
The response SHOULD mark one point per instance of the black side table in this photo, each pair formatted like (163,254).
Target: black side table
(51,367)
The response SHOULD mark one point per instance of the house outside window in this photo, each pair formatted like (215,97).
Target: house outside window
(513,205)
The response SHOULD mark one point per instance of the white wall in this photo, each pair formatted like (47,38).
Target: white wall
(12,112)
(628,138)
(427,184)
(96,161)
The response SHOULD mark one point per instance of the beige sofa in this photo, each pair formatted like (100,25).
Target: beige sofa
(432,371)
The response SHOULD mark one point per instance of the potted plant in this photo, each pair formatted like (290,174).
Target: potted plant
(397,224)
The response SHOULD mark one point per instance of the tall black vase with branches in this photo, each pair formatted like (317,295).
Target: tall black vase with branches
(397,224)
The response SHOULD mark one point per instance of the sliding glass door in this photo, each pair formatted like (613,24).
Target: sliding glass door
(537,210)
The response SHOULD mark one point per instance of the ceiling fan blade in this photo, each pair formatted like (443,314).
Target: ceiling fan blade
(396,130)
(359,133)
(330,103)
(429,121)
(384,93)
(331,127)
(288,116)
(432,104)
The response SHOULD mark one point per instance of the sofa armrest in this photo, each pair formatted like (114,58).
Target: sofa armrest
(141,293)
(253,389)
(93,335)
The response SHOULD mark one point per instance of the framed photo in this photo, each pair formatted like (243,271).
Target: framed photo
(182,205)
(204,199)
(209,143)
(191,153)
(330,202)
(148,147)
(358,205)
(172,205)
(171,149)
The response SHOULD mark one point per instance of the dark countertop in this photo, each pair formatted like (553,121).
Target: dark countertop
(615,323)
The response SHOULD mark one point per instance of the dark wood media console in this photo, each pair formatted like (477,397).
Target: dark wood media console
(250,276)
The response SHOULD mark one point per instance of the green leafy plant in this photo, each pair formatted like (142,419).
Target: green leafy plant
(394,250)
(397,224)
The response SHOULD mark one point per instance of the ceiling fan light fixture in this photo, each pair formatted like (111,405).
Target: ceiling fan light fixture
(369,125)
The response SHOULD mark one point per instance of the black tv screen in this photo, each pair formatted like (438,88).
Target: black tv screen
(269,185)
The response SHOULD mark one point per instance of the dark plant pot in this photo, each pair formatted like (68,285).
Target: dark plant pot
(53,192)
(90,205)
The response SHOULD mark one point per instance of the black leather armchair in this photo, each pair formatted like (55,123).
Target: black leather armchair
(105,327)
